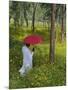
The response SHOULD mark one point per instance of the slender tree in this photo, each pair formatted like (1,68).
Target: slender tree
(25,7)
(62,22)
(15,13)
(33,17)
(52,33)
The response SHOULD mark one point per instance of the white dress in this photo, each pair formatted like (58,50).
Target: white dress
(27,60)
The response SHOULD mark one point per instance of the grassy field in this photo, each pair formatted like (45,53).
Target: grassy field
(43,73)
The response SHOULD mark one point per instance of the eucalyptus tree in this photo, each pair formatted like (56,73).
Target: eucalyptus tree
(34,6)
(63,9)
(52,33)
(26,10)
(46,13)
(61,18)
(15,12)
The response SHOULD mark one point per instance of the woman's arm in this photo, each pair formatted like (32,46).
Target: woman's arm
(33,51)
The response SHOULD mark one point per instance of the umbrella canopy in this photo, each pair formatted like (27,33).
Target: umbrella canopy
(33,39)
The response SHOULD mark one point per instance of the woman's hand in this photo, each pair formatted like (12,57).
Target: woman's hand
(33,49)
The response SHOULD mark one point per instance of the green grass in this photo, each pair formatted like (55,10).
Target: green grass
(43,73)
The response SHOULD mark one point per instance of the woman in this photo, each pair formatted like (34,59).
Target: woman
(27,59)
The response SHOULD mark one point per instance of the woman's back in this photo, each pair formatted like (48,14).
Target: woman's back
(27,55)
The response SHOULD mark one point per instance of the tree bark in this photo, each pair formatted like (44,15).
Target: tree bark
(25,15)
(62,23)
(33,17)
(52,34)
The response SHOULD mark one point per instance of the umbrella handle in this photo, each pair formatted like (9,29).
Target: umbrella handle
(33,49)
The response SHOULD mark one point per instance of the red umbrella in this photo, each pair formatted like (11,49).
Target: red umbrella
(33,39)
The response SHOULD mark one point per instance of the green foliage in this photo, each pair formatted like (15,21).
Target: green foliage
(22,12)
(43,73)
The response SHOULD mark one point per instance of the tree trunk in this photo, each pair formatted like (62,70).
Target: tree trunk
(25,15)
(62,23)
(52,34)
(15,23)
(33,17)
